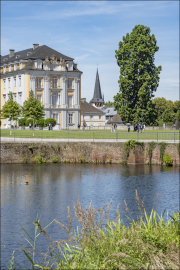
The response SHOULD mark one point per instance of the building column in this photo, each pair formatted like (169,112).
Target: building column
(64,93)
(46,96)
(63,119)
(32,84)
(76,92)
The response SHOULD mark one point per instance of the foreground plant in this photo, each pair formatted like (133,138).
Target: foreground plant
(151,242)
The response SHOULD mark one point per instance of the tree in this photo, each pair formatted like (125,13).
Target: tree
(167,116)
(139,77)
(178,115)
(11,109)
(109,103)
(32,107)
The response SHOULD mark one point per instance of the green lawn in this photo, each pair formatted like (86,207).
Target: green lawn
(75,134)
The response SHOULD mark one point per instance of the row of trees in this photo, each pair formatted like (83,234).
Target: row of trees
(32,108)
(139,80)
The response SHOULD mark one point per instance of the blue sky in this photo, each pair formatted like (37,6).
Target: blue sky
(89,32)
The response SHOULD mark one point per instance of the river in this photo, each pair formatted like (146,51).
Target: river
(53,187)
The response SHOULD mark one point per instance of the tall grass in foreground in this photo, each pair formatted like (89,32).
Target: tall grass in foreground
(151,242)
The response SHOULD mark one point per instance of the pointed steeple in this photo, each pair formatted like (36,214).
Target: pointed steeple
(97,88)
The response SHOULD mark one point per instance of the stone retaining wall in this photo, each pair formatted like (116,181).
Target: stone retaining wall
(91,152)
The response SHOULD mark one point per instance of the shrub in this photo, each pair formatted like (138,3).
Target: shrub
(51,121)
(167,159)
(28,121)
(55,159)
(22,122)
(41,122)
(38,159)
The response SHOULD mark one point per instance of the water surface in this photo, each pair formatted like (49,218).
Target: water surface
(53,187)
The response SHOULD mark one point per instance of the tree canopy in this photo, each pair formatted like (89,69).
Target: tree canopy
(139,77)
(11,109)
(108,103)
(32,107)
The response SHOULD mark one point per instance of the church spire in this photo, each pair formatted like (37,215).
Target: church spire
(98,99)
(97,88)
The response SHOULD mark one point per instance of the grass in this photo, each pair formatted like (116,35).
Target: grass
(150,242)
(75,134)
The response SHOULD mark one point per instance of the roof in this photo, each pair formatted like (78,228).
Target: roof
(116,119)
(41,52)
(97,90)
(108,110)
(87,108)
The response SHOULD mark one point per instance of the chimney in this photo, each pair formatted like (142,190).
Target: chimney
(35,46)
(11,53)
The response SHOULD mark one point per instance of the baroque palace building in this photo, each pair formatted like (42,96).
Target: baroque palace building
(53,77)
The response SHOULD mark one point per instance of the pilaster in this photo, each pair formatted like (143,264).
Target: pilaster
(77,92)
(64,93)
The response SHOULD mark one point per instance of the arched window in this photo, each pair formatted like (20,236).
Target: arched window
(54,81)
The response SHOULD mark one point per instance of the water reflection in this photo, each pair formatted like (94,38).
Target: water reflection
(52,187)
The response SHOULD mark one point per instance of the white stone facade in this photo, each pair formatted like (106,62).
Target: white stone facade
(57,84)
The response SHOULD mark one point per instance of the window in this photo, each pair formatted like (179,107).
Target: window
(55,99)
(70,118)
(14,81)
(4,84)
(19,80)
(70,101)
(70,83)
(9,81)
(54,82)
(9,68)
(38,82)
(20,65)
(100,117)
(4,99)
(107,117)
(91,117)
(14,97)
(39,97)
(39,65)
(4,69)
(15,67)
(20,98)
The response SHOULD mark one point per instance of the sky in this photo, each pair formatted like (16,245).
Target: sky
(90,31)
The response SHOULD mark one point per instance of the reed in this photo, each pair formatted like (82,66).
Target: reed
(151,242)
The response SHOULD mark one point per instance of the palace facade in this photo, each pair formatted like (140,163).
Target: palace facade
(53,77)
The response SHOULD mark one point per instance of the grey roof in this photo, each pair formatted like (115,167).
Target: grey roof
(108,110)
(39,53)
(97,90)
(116,119)
(87,108)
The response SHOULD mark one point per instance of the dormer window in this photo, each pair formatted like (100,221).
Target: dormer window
(17,56)
(29,53)
(5,59)
(39,64)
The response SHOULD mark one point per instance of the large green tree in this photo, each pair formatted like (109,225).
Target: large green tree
(32,108)
(11,109)
(139,77)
